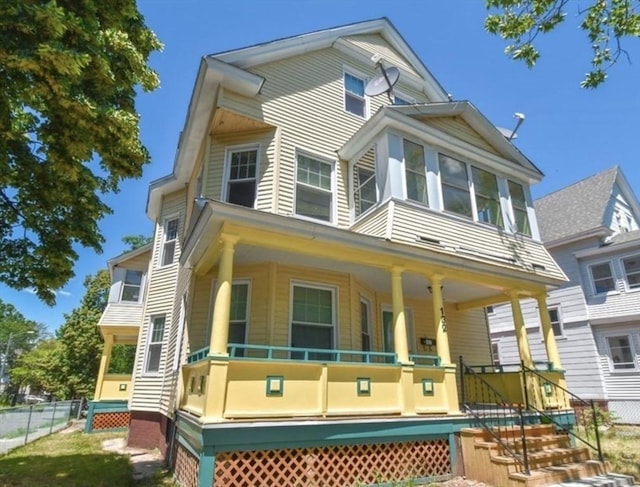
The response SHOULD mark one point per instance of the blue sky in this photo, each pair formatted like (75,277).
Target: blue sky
(569,133)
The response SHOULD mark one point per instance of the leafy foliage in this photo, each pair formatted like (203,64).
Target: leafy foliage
(606,23)
(68,128)
(122,359)
(136,241)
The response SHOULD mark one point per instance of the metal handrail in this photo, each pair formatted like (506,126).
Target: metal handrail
(496,400)
(591,404)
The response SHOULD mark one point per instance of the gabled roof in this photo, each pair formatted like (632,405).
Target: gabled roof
(580,209)
(411,117)
(129,254)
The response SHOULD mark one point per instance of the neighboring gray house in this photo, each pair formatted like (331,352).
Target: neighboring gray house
(591,230)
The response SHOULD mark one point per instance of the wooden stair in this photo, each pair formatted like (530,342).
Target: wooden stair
(552,458)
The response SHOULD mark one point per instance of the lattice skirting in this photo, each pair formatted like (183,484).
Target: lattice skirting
(105,421)
(185,466)
(337,466)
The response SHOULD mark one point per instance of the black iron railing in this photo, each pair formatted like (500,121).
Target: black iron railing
(554,396)
(500,418)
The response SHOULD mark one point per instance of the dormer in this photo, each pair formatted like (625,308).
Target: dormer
(129,276)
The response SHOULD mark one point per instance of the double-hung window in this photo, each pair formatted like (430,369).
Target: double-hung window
(314,188)
(556,322)
(131,286)
(354,98)
(238,316)
(621,352)
(455,186)
(602,278)
(312,320)
(365,192)
(415,171)
(169,243)
(154,350)
(519,207)
(632,271)
(485,186)
(241,177)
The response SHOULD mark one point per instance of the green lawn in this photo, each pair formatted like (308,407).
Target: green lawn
(71,460)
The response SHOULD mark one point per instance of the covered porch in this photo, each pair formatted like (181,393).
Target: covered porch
(289,318)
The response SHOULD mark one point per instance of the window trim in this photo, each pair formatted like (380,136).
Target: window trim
(512,209)
(592,282)
(629,336)
(403,96)
(334,311)
(330,162)
(469,188)
(475,194)
(147,355)
(627,286)
(560,322)
(495,357)
(124,284)
(356,189)
(165,225)
(406,172)
(247,311)
(228,152)
(369,332)
(360,75)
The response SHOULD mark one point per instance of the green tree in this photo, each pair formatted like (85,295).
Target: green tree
(17,336)
(69,130)
(39,368)
(606,23)
(80,344)
(136,241)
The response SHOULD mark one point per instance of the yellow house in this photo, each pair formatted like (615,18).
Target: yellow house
(325,246)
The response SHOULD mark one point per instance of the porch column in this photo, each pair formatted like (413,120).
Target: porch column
(521,331)
(222,301)
(399,322)
(441,336)
(104,365)
(547,332)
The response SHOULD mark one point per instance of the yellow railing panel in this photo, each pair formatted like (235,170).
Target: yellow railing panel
(115,386)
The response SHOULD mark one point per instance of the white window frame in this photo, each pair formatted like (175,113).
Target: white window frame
(150,343)
(560,322)
(229,151)
(334,312)
(612,367)
(332,164)
(495,357)
(512,209)
(405,171)
(472,198)
(368,332)
(358,188)
(124,284)
(165,226)
(356,74)
(592,281)
(628,287)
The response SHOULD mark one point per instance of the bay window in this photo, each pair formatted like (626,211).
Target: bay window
(519,207)
(455,186)
(415,171)
(485,187)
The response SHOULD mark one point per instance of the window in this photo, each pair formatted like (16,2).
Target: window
(131,286)
(556,322)
(632,271)
(241,178)
(238,315)
(170,237)
(314,188)
(455,186)
(365,324)
(312,320)
(495,354)
(485,187)
(620,352)
(365,191)
(354,100)
(519,206)
(414,170)
(602,278)
(155,344)
(402,100)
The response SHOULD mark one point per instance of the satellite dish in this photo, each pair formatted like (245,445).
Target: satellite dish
(383,83)
(508,134)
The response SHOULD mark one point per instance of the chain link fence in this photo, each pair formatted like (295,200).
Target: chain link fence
(23,424)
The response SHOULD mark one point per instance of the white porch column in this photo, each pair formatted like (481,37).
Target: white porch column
(521,331)
(222,301)
(441,336)
(547,332)
(399,321)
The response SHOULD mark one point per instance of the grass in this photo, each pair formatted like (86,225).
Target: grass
(620,445)
(71,460)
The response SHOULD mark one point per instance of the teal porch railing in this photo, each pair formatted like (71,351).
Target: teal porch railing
(241,351)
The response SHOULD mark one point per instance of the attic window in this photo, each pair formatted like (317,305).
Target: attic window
(354,99)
